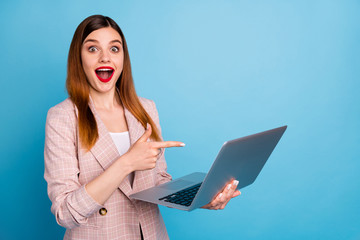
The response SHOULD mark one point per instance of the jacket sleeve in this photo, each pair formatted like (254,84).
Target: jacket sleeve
(71,204)
(161,176)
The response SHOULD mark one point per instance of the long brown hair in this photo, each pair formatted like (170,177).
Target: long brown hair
(78,86)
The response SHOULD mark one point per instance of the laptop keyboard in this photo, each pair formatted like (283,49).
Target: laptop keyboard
(183,197)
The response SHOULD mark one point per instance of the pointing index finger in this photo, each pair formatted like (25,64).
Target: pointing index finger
(167,144)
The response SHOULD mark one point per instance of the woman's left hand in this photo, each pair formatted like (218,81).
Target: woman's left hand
(223,197)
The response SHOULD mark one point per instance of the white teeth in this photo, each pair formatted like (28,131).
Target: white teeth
(104,69)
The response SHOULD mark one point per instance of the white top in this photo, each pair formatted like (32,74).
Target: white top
(122,143)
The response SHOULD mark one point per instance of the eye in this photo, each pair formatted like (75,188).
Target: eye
(92,49)
(114,49)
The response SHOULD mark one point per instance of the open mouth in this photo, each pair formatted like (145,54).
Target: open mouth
(104,74)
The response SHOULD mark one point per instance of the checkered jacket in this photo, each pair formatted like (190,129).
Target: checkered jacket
(68,167)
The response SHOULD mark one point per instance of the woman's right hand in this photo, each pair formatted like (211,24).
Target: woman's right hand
(143,154)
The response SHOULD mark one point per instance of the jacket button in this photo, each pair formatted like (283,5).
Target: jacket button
(103,211)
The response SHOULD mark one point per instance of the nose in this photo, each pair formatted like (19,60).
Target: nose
(104,57)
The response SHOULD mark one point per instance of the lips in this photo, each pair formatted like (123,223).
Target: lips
(104,73)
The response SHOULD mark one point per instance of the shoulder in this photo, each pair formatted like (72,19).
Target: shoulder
(150,108)
(64,107)
(62,112)
(148,104)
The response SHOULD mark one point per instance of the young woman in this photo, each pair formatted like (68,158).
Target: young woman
(104,143)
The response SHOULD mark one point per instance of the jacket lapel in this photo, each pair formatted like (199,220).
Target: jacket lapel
(142,179)
(136,130)
(106,153)
(105,150)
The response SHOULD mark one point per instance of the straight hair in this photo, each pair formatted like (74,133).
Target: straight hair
(77,84)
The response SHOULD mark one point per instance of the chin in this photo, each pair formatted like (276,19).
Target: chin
(106,89)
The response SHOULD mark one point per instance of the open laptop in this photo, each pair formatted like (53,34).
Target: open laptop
(241,159)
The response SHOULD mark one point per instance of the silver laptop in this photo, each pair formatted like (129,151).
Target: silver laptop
(241,159)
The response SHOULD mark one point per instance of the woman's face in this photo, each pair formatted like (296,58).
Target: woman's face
(102,58)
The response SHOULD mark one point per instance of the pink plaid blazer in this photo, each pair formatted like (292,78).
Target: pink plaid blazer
(68,167)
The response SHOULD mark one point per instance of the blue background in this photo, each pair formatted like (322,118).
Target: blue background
(217,70)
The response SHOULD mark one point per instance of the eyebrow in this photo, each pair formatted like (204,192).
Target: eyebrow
(93,40)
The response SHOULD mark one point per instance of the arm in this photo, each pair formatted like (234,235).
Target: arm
(71,204)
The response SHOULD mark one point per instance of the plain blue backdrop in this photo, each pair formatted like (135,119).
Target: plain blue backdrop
(217,70)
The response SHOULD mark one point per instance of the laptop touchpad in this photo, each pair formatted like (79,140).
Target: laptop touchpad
(178,184)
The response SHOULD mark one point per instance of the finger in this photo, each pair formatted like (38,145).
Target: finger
(146,134)
(220,201)
(221,197)
(223,206)
(154,152)
(216,203)
(228,197)
(236,193)
(151,162)
(226,193)
(167,144)
(228,188)
(231,188)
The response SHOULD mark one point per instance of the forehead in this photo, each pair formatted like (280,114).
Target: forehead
(104,35)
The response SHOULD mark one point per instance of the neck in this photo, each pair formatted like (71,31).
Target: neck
(108,100)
